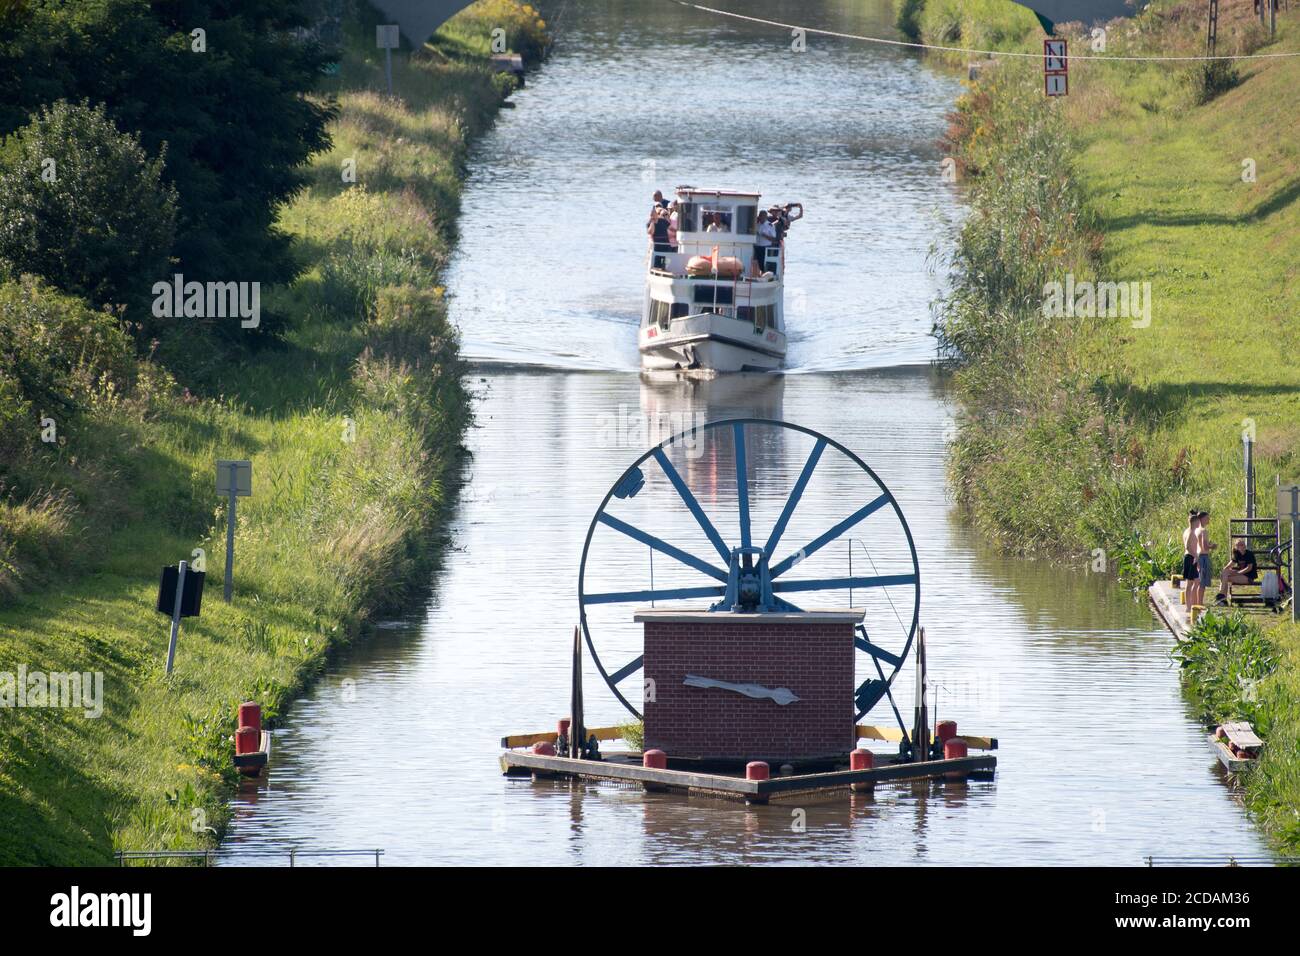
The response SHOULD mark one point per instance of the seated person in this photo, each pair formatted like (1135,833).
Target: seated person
(1240,569)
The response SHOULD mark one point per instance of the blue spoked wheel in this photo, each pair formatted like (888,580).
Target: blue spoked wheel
(749,515)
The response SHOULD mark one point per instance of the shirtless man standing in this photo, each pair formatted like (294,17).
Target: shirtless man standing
(1203,546)
(1189,560)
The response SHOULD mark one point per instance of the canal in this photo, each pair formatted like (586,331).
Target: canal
(396,746)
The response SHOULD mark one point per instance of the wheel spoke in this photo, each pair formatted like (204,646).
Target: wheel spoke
(742,483)
(694,506)
(879,653)
(664,547)
(673,594)
(631,667)
(799,486)
(820,542)
(838,584)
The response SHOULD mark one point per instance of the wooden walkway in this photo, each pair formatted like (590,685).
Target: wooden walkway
(1164,601)
(623,767)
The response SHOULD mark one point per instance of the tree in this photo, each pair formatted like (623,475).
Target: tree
(223,86)
(84,207)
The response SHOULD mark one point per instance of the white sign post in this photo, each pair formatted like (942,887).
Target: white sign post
(1056,67)
(388,40)
(176,615)
(234,480)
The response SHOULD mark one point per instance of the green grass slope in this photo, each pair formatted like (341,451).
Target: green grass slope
(354,432)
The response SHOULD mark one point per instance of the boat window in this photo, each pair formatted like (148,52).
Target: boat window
(744,313)
(658,313)
(745,220)
(680,309)
(688,217)
(764,317)
(716,218)
(711,294)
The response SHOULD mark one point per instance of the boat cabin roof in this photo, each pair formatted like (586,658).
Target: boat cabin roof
(685,192)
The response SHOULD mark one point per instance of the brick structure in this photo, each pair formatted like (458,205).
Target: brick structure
(811,654)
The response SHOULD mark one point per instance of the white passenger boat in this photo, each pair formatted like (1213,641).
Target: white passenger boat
(713,298)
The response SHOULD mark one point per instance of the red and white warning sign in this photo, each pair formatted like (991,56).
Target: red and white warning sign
(1056,67)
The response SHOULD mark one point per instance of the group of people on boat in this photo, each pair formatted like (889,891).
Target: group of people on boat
(770,227)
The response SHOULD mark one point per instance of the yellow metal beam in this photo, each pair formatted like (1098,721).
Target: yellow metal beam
(548,736)
(888,734)
(893,735)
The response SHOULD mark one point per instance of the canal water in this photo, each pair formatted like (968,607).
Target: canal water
(396,746)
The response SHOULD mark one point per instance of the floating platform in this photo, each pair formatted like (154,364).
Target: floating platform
(253,763)
(1231,762)
(712,778)
(1241,735)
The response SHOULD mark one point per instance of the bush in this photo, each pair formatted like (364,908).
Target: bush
(84,207)
(1210,79)
(525,30)
(55,353)
(907,17)
(1224,660)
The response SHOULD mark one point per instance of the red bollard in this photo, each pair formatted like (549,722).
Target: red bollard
(545,748)
(952,750)
(945,731)
(247,740)
(655,760)
(250,715)
(757,770)
(861,760)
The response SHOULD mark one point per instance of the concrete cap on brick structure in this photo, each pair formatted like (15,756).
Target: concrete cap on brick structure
(841,615)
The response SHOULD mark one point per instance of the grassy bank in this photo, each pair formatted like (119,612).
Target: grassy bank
(1087,437)
(353,427)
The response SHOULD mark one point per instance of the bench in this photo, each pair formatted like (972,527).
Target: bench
(1263,537)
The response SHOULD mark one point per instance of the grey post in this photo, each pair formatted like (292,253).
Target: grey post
(234,480)
(387,36)
(176,614)
(230,540)
(1295,563)
(1248,445)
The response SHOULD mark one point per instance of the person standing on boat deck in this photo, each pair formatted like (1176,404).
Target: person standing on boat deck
(658,230)
(764,236)
(660,201)
(672,224)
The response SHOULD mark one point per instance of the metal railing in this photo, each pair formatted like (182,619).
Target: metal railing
(123,857)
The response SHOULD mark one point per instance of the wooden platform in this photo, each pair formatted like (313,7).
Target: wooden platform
(1231,762)
(1241,733)
(627,767)
(1164,601)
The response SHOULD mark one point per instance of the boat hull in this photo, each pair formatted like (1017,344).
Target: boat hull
(710,343)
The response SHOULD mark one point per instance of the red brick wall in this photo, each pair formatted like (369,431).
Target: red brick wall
(814,660)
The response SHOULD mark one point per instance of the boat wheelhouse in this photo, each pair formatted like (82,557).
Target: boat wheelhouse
(714,302)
